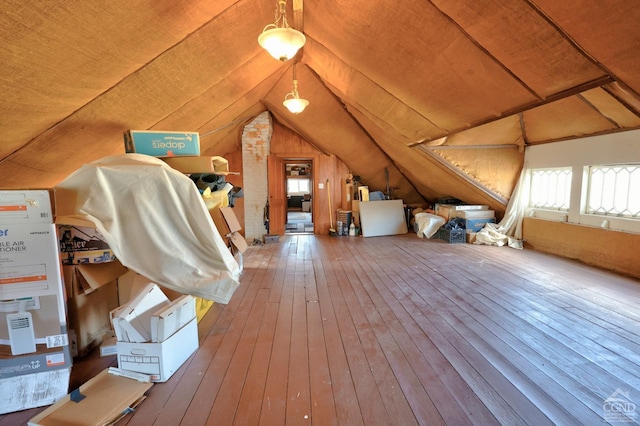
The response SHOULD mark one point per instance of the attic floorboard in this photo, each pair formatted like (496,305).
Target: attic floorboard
(402,330)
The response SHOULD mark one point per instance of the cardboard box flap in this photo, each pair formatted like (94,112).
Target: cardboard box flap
(133,323)
(238,242)
(225,220)
(98,274)
(231,219)
(75,220)
(199,164)
(106,398)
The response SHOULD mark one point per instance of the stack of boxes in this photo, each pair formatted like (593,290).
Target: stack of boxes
(91,274)
(474,216)
(35,357)
(475,219)
(181,151)
(46,320)
(61,286)
(155,335)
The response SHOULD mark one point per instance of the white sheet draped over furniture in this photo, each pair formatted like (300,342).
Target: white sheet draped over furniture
(156,223)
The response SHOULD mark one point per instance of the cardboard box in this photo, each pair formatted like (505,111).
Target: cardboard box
(109,345)
(229,227)
(474,225)
(31,286)
(131,283)
(33,325)
(449,211)
(54,354)
(171,318)
(355,212)
(25,206)
(162,144)
(445,211)
(107,398)
(364,193)
(475,214)
(35,358)
(33,390)
(29,262)
(347,195)
(92,292)
(132,322)
(469,207)
(225,220)
(40,375)
(81,242)
(160,360)
(204,165)
(37,341)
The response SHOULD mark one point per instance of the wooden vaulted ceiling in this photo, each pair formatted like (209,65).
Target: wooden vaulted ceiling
(444,95)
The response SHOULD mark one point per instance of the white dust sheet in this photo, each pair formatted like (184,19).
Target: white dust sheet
(156,223)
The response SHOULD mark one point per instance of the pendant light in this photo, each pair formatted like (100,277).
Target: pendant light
(281,41)
(292,100)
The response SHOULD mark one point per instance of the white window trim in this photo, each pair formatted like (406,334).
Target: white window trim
(618,148)
(531,172)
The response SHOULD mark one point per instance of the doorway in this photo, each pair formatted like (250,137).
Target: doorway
(299,192)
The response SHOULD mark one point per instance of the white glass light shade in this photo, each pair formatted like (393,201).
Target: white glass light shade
(295,105)
(282,43)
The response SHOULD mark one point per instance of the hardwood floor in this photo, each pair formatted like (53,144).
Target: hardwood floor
(401,331)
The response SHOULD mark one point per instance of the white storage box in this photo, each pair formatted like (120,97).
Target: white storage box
(476,214)
(459,207)
(171,318)
(132,322)
(159,360)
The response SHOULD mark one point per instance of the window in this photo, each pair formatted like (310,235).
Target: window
(613,191)
(551,188)
(295,186)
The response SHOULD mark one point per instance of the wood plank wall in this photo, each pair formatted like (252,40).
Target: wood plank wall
(287,144)
(613,250)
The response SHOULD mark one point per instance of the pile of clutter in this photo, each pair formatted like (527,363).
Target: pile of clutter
(80,272)
(462,219)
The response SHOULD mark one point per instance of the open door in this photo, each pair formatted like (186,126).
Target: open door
(277,196)
(299,194)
